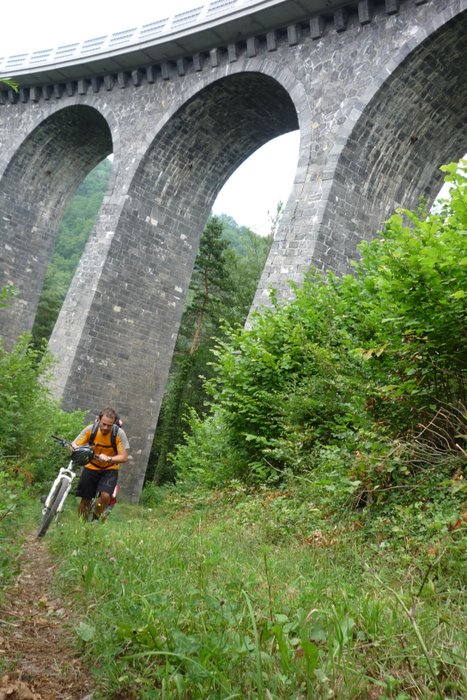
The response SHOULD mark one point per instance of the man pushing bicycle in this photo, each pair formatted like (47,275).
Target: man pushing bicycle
(110,445)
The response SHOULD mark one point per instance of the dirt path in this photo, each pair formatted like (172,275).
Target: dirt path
(35,640)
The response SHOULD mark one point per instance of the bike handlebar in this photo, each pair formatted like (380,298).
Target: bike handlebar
(62,441)
(79,455)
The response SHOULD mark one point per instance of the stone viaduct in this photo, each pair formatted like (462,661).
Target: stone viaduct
(377,89)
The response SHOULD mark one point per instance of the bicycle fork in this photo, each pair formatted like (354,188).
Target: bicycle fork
(67,474)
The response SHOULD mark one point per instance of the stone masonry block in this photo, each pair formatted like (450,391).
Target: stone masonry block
(317,25)
(109,82)
(151,72)
(271,41)
(198,62)
(392,6)
(58,90)
(340,19)
(232,53)
(181,66)
(365,9)
(294,32)
(251,46)
(83,86)
(215,57)
(136,77)
(122,79)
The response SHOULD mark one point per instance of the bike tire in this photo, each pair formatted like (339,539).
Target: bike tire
(49,514)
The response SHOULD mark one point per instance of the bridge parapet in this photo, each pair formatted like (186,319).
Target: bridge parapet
(52,73)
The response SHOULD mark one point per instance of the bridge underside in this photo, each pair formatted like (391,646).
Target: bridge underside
(386,157)
(414,124)
(154,245)
(39,180)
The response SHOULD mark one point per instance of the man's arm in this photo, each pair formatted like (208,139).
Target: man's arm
(122,447)
(119,458)
(82,438)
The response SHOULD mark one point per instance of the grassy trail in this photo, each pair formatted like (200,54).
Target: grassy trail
(216,596)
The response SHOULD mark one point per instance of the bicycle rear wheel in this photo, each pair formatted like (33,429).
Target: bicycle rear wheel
(50,512)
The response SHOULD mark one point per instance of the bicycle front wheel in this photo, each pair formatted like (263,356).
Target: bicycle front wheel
(50,512)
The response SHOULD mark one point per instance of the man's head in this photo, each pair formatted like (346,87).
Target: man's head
(106,420)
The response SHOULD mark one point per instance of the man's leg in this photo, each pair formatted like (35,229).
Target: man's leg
(107,484)
(84,507)
(86,489)
(101,504)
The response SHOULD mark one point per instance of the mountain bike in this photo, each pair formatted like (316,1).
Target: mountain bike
(55,500)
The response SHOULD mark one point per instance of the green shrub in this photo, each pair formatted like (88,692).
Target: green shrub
(370,366)
(29,414)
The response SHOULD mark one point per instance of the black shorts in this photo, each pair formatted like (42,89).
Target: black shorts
(93,481)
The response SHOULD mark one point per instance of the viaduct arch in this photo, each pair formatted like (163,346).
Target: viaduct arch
(377,90)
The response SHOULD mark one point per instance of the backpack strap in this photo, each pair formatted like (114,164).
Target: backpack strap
(94,430)
(113,435)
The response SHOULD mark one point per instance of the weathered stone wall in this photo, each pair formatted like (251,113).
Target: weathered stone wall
(378,93)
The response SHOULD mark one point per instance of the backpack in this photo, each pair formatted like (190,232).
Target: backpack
(113,433)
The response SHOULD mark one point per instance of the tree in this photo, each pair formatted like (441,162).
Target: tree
(226,273)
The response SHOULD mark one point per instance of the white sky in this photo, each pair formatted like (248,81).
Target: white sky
(252,193)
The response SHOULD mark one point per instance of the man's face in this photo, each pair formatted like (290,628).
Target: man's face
(105,424)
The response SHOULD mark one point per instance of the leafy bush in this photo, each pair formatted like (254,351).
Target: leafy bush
(205,457)
(12,502)
(369,367)
(29,414)
(410,290)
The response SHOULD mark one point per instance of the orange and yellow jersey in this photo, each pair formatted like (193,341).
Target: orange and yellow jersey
(102,445)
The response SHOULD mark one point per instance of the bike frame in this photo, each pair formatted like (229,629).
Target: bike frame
(67,474)
(61,486)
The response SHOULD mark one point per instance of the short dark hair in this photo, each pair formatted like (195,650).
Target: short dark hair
(109,412)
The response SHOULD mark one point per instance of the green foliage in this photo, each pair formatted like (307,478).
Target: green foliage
(23,397)
(29,414)
(206,597)
(368,369)
(12,84)
(6,294)
(293,372)
(204,457)
(227,270)
(410,288)
(12,507)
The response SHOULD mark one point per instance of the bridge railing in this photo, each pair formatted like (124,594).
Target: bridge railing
(156,31)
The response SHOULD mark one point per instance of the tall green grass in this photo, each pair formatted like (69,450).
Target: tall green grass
(15,520)
(200,597)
